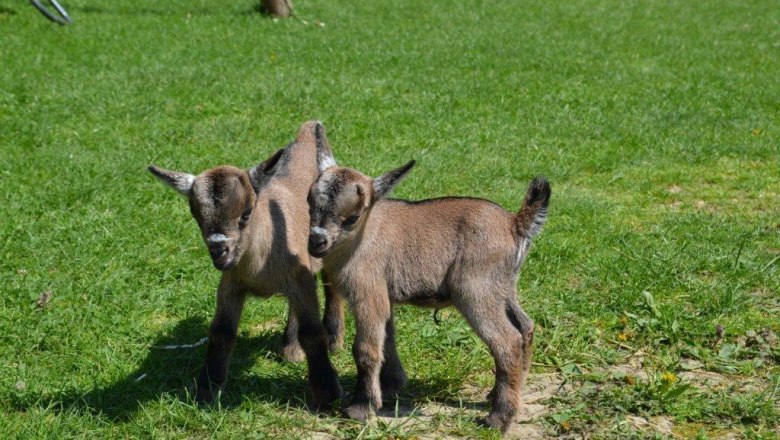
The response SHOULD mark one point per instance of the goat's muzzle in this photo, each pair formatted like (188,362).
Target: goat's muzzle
(221,254)
(319,245)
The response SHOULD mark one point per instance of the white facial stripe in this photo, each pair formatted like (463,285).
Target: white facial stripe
(322,200)
(217,238)
(322,187)
(318,231)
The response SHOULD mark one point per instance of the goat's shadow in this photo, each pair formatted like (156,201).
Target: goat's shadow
(171,372)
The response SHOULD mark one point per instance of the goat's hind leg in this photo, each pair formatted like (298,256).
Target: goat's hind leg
(489,319)
(291,349)
(525,325)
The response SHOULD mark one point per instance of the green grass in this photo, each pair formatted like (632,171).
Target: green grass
(656,122)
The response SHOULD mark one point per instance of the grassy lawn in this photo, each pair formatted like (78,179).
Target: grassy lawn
(657,123)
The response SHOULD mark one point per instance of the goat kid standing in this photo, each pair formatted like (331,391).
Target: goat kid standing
(463,252)
(255,224)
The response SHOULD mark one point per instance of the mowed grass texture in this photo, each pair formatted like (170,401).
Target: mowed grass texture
(656,123)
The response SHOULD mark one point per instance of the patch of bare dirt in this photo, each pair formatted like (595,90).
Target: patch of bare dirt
(422,418)
(659,424)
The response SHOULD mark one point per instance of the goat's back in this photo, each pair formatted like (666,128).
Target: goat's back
(424,248)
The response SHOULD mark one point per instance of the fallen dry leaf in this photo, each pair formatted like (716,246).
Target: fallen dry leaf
(43,299)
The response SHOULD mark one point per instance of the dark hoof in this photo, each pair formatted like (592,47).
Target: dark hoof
(324,397)
(358,411)
(293,353)
(498,421)
(206,394)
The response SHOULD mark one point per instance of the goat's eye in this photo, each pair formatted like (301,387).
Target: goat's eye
(245,215)
(351,220)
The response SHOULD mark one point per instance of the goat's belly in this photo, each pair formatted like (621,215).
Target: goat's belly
(436,299)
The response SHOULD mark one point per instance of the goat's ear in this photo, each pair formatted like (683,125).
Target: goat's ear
(181,182)
(314,131)
(262,173)
(386,182)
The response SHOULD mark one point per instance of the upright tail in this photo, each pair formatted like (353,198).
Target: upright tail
(532,215)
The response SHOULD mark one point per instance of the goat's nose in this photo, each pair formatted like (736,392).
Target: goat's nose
(217,249)
(317,240)
(218,245)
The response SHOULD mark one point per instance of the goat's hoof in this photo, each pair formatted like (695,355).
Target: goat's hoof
(205,394)
(293,353)
(324,397)
(497,420)
(358,411)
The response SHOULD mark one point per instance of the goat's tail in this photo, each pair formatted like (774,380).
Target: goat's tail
(532,215)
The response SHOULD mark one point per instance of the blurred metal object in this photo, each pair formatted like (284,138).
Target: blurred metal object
(61,17)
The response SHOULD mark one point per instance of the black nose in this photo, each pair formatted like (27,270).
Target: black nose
(217,249)
(317,240)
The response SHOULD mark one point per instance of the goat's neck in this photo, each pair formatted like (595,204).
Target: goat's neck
(259,239)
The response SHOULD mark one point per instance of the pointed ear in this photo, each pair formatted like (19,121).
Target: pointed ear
(314,131)
(181,182)
(262,173)
(386,182)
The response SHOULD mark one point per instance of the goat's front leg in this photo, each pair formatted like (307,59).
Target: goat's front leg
(334,315)
(323,380)
(371,317)
(222,339)
(291,348)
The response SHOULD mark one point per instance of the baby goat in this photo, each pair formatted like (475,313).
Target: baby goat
(456,251)
(255,224)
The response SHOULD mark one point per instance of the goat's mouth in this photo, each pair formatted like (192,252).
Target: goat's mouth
(319,251)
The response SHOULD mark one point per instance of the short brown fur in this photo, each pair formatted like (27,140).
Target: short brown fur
(255,224)
(277,8)
(451,251)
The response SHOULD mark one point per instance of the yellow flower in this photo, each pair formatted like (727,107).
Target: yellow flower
(668,378)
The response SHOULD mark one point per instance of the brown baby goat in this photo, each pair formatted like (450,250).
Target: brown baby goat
(456,251)
(255,224)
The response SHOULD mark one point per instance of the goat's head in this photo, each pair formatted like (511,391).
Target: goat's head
(222,201)
(341,199)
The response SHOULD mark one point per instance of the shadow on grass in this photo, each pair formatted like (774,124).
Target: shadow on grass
(172,372)
(419,394)
(6,10)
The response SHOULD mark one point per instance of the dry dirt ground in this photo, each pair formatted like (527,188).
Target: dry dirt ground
(432,420)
